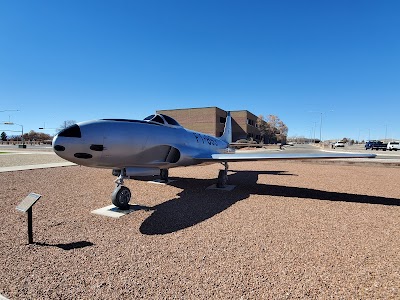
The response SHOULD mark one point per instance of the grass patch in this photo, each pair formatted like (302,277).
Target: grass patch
(4,152)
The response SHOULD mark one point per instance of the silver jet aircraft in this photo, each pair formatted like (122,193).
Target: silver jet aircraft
(134,148)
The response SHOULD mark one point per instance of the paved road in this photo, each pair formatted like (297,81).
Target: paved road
(35,157)
(45,148)
(383,157)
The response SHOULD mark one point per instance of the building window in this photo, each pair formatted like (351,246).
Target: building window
(250,122)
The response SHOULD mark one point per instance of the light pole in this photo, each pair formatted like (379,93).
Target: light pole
(22,130)
(314,128)
(320,130)
(47,128)
(44,128)
(386,126)
(9,110)
(320,124)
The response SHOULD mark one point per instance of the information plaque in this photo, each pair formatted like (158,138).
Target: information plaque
(28,202)
(26,206)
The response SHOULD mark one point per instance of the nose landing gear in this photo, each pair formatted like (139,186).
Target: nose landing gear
(121,195)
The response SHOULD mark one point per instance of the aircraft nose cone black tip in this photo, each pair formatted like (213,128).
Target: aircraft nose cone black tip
(73,131)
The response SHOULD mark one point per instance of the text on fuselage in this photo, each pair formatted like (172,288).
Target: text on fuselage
(205,139)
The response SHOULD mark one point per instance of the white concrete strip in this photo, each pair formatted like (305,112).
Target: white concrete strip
(228,188)
(13,152)
(32,167)
(3,298)
(114,212)
(161,182)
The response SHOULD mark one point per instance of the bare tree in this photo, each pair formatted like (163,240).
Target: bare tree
(273,129)
(262,127)
(266,131)
(66,124)
(36,136)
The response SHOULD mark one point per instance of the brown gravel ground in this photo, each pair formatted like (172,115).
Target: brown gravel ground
(298,230)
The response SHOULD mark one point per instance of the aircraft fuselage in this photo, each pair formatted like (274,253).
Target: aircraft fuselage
(118,144)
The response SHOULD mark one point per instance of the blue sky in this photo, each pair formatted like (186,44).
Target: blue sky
(81,60)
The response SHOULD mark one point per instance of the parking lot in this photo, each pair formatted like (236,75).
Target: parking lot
(287,230)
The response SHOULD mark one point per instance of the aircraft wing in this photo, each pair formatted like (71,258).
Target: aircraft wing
(235,157)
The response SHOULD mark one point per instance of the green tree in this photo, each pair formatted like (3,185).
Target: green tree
(3,136)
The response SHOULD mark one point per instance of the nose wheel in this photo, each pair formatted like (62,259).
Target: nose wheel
(121,195)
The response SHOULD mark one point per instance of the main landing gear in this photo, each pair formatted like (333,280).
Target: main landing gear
(223,176)
(122,195)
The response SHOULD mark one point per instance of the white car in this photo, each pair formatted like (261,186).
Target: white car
(338,144)
(393,146)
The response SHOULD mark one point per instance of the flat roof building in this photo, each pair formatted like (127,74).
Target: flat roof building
(211,120)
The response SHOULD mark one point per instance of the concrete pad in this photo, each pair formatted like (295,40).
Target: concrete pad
(228,188)
(114,212)
(159,181)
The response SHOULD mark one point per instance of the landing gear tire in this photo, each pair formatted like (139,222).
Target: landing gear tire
(222,179)
(164,175)
(121,197)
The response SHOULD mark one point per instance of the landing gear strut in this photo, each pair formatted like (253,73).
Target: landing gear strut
(164,175)
(121,195)
(223,176)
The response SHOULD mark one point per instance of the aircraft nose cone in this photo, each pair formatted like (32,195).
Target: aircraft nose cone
(64,139)
(73,131)
(70,145)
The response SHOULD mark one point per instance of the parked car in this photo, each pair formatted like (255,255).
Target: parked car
(375,145)
(338,144)
(393,146)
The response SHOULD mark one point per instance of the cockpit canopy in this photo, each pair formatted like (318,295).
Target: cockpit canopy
(162,119)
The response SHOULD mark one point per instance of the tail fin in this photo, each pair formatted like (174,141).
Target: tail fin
(227,136)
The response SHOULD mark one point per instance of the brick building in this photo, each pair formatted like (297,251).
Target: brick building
(211,120)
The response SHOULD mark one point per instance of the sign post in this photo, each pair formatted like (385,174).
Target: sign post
(26,206)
